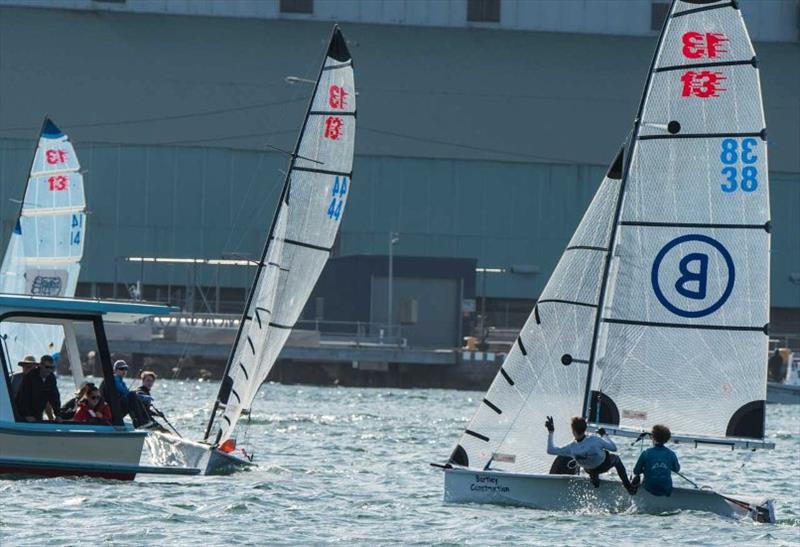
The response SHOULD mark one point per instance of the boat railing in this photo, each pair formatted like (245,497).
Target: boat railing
(329,332)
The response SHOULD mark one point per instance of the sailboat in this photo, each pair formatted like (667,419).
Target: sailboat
(299,242)
(44,254)
(658,310)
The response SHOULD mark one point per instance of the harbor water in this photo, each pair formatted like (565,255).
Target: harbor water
(351,466)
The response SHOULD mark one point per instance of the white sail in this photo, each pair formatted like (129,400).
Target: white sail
(683,338)
(46,245)
(315,193)
(545,371)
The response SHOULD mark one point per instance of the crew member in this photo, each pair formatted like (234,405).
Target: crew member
(592,453)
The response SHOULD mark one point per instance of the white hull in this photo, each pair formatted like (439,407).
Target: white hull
(69,449)
(169,450)
(783,393)
(573,493)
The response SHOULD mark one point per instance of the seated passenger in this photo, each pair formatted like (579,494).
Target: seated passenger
(93,409)
(129,401)
(143,391)
(27,363)
(67,411)
(657,464)
(38,390)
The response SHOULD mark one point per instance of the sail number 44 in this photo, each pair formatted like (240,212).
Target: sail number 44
(730,155)
(337,202)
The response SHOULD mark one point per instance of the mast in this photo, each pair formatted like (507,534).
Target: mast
(627,156)
(284,199)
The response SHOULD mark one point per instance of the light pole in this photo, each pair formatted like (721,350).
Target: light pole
(394,237)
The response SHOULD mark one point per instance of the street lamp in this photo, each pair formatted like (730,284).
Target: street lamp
(394,237)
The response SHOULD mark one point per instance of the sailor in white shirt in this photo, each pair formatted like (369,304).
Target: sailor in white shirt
(592,453)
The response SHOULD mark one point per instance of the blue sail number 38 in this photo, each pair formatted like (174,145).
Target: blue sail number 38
(338,192)
(747,180)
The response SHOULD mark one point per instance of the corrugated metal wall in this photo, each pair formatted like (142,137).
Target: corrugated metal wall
(202,202)
(773,20)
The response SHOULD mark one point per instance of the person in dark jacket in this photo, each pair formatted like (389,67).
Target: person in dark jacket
(38,390)
(27,363)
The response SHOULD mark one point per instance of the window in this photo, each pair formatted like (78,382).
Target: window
(658,14)
(297,6)
(484,11)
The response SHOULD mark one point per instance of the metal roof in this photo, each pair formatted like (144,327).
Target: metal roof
(111,310)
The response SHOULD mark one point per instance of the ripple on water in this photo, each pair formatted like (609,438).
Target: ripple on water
(350,466)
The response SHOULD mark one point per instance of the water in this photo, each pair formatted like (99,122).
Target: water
(350,466)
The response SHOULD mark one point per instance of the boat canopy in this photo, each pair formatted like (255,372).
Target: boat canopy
(114,311)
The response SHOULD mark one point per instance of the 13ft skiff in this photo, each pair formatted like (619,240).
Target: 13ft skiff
(298,245)
(657,311)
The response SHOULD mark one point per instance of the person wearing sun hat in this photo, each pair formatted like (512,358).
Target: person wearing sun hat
(27,363)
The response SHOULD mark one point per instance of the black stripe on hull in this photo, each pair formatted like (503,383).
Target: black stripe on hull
(279,326)
(506,376)
(492,406)
(477,435)
(246,376)
(732,328)
(521,346)
(252,347)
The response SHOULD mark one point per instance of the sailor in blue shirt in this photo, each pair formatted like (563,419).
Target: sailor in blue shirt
(657,464)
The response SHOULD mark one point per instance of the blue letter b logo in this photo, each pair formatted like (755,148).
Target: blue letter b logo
(698,276)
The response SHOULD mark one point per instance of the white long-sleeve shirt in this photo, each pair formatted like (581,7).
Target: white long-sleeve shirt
(589,452)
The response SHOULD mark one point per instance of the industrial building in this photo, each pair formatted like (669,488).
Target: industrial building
(485,127)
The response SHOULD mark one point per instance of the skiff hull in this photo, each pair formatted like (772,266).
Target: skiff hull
(170,450)
(573,493)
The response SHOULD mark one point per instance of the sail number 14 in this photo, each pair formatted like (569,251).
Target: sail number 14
(730,155)
(337,202)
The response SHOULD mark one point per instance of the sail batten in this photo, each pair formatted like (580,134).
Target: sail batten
(300,239)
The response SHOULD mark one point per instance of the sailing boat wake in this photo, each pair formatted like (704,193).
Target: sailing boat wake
(657,311)
(299,243)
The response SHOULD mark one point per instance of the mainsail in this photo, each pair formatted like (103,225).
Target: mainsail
(301,237)
(673,253)
(683,337)
(46,246)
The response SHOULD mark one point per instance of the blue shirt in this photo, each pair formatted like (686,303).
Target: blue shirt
(120,386)
(657,464)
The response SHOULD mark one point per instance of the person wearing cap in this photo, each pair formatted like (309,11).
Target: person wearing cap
(131,404)
(38,392)
(27,363)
